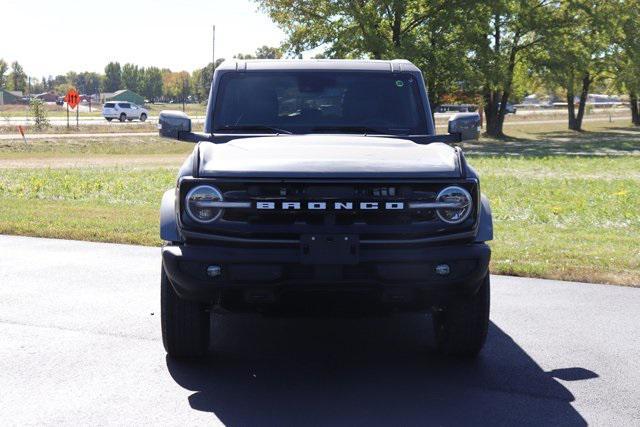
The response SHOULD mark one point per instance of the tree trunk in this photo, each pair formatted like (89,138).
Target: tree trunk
(491,112)
(575,120)
(586,82)
(635,114)
(571,109)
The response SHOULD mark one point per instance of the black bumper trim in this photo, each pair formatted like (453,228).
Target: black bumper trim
(379,268)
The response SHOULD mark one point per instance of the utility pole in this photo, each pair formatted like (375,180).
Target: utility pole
(213,48)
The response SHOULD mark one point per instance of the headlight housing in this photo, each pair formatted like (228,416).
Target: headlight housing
(457,196)
(201,202)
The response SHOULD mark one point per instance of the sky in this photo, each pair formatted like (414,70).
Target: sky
(49,37)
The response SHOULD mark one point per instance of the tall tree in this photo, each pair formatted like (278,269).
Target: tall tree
(578,53)
(627,54)
(502,34)
(425,31)
(112,77)
(132,77)
(152,83)
(17,77)
(3,71)
(177,86)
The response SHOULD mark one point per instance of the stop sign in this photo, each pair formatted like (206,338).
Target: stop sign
(72,98)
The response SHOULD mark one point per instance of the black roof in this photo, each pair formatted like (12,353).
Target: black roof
(394,65)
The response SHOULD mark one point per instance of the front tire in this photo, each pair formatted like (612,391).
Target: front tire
(123,117)
(109,119)
(461,327)
(185,324)
(143,117)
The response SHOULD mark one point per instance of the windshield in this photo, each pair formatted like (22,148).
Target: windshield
(317,102)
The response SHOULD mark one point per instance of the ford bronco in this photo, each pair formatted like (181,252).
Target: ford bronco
(323,183)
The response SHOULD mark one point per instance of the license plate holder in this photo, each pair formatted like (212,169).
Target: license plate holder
(330,249)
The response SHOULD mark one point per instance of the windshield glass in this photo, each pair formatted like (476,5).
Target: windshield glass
(317,102)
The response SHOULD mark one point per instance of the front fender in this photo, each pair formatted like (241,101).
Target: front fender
(485,227)
(168,224)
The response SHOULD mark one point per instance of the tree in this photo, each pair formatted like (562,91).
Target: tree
(427,32)
(202,79)
(112,77)
(132,77)
(350,29)
(152,83)
(502,34)
(627,54)
(3,71)
(17,77)
(578,53)
(39,114)
(177,86)
(268,52)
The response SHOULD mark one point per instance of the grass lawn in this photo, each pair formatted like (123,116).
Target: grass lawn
(557,215)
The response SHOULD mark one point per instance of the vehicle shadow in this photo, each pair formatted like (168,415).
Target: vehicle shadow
(368,372)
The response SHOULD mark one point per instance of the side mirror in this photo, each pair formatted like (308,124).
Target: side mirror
(174,124)
(467,125)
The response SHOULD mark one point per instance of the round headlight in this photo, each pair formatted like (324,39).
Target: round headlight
(456,196)
(200,206)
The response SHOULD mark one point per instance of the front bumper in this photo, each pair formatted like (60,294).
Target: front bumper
(262,275)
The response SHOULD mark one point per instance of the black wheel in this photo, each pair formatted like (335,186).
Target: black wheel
(185,324)
(143,117)
(461,326)
(123,117)
(109,119)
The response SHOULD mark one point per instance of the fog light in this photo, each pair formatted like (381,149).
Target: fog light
(443,269)
(214,271)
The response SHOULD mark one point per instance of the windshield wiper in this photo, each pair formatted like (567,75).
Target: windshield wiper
(348,129)
(254,128)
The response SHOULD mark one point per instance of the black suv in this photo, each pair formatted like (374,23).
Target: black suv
(319,183)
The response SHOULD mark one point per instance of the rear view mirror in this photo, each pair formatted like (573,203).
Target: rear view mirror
(466,125)
(174,124)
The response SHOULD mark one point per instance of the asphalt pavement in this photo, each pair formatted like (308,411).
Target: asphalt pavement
(80,345)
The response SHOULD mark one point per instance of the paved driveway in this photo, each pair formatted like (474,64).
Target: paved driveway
(80,344)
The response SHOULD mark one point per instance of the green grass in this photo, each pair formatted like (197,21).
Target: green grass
(556,214)
(565,217)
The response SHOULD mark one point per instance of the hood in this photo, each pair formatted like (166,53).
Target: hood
(328,156)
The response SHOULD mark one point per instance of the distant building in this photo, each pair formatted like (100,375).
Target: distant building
(10,96)
(47,96)
(123,95)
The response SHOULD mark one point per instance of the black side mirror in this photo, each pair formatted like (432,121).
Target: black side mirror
(467,125)
(174,124)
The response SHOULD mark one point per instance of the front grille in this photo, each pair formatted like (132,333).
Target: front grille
(291,224)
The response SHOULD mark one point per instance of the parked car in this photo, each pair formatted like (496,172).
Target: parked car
(345,198)
(509,109)
(124,111)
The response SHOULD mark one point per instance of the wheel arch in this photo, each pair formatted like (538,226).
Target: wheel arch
(168,222)
(485,227)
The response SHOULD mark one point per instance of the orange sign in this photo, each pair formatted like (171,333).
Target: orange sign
(72,98)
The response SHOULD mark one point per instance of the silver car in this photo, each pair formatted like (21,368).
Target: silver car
(124,111)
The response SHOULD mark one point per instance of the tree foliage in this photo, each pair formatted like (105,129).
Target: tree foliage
(17,77)
(152,83)
(3,71)
(132,77)
(112,77)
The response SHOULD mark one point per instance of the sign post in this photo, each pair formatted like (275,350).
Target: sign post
(72,98)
